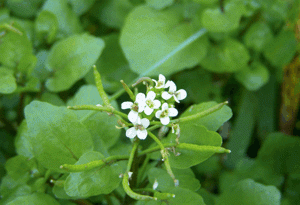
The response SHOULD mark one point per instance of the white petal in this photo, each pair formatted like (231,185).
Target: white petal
(172,86)
(165,106)
(166,96)
(140,98)
(131,132)
(181,94)
(173,112)
(141,106)
(138,120)
(132,116)
(165,120)
(161,78)
(145,122)
(157,104)
(148,110)
(158,113)
(126,105)
(142,134)
(151,95)
(154,81)
(175,98)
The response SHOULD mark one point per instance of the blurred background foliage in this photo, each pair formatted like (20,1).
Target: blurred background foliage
(243,51)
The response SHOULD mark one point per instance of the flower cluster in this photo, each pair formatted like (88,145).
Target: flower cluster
(158,103)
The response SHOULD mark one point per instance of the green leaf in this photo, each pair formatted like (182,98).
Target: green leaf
(101,126)
(10,195)
(7,81)
(93,182)
(59,190)
(40,70)
(52,98)
(22,141)
(81,7)
(58,137)
(199,145)
(253,77)
(26,65)
(248,192)
(280,154)
(68,22)
(24,8)
(20,168)
(34,199)
(112,70)
(70,59)
(159,4)
(186,179)
(13,47)
(228,56)
(199,86)
(160,42)
(258,36)
(214,20)
(46,26)
(212,121)
(282,49)
(112,13)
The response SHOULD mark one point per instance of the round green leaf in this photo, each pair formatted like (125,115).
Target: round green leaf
(68,22)
(159,4)
(70,59)
(34,199)
(228,56)
(253,77)
(215,20)
(248,192)
(57,135)
(22,141)
(101,126)
(150,36)
(93,182)
(24,8)
(112,70)
(81,7)
(212,121)
(46,26)
(258,36)
(14,46)
(282,49)
(7,81)
(199,145)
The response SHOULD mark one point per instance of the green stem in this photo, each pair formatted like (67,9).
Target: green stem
(165,157)
(201,114)
(143,79)
(154,127)
(127,89)
(11,28)
(93,164)
(98,108)
(156,148)
(100,88)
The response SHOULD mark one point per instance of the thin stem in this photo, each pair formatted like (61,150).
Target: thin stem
(156,148)
(154,127)
(165,157)
(98,108)
(127,89)
(131,157)
(201,114)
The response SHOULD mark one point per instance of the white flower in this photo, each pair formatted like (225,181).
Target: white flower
(139,129)
(165,114)
(151,104)
(137,107)
(178,95)
(161,81)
